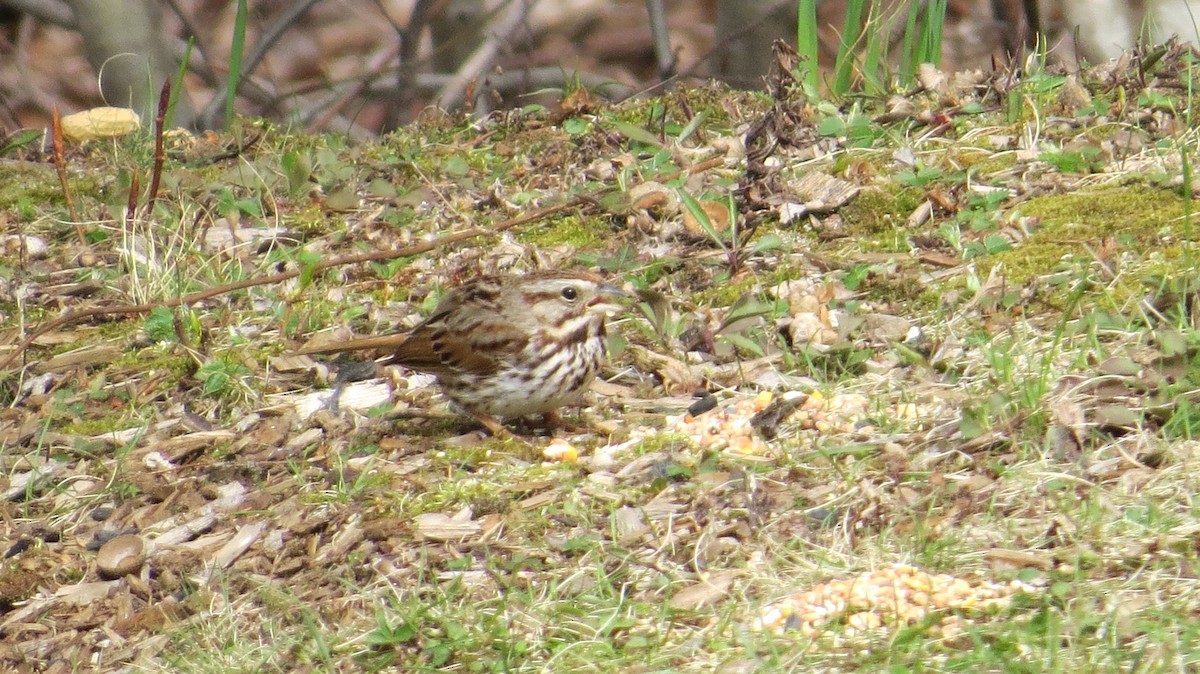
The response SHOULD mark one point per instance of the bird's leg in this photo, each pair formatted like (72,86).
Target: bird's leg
(553,421)
(492,424)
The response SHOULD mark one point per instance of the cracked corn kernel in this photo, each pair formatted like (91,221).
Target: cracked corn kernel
(864,620)
(562,451)
(896,595)
(729,425)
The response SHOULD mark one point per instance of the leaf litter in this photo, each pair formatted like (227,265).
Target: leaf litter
(893,388)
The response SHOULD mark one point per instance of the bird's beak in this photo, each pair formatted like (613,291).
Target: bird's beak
(606,292)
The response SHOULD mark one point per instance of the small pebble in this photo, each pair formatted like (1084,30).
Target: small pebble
(102,536)
(121,556)
(102,513)
(33,247)
(705,401)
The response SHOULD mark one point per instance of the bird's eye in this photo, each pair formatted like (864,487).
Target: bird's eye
(569,294)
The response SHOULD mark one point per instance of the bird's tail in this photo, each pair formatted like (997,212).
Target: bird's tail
(382,343)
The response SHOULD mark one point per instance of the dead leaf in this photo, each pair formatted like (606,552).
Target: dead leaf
(100,354)
(705,592)
(823,194)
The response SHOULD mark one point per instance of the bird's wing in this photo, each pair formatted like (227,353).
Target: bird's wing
(439,347)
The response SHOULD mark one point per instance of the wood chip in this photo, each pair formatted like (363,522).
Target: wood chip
(30,482)
(629,525)
(705,592)
(539,500)
(345,539)
(291,363)
(184,532)
(100,354)
(252,238)
(308,437)
(128,435)
(1019,559)
(442,527)
(82,594)
(359,396)
(182,447)
(61,337)
(83,289)
(661,509)
(229,553)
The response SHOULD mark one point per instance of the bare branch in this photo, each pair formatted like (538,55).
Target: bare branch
(282,23)
(483,58)
(50,11)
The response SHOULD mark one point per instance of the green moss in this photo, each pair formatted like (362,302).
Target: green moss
(28,187)
(666,441)
(680,107)
(1135,217)
(573,230)
(724,294)
(174,367)
(1028,260)
(905,284)
(875,211)
(468,457)
(930,299)
(1136,214)
(785,273)
(88,427)
(993,163)
(311,220)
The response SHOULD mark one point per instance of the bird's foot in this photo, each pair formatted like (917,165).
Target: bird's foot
(554,422)
(493,426)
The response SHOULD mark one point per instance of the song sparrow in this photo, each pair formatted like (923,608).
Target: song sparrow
(507,345)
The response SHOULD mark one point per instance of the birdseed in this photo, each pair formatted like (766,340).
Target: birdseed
(895,596)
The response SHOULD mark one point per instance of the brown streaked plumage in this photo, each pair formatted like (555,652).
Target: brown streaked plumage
(506,345)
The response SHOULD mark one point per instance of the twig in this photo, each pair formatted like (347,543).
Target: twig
(164,99)
(190,31)
(131,203)
(50,11)
(410,44)
(664,57)
(60,164)
(355,92)
(515,80)
(264,44)
(28,85)
(717,48)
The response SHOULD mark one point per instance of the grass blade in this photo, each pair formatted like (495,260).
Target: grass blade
(851,30)
(236,51)
(806,41)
